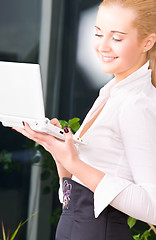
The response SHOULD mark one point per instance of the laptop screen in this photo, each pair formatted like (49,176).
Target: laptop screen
(21,90)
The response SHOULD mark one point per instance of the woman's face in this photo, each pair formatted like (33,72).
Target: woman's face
(116,41)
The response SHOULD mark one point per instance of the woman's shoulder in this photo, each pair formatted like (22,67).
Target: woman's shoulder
(142,97)
(140,106)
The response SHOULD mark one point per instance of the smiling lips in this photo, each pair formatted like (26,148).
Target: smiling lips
(108,59)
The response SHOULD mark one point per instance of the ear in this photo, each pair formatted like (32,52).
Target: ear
(149,42)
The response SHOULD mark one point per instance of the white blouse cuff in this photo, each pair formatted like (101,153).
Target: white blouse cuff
(108,188)
(60,192)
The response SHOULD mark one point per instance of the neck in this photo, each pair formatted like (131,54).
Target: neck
(121,76)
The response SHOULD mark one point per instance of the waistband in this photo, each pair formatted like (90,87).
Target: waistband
(79,200)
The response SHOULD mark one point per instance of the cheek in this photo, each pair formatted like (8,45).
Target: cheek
(128,49)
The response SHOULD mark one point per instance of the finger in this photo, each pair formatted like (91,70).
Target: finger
(40,141)
(68,135)
(20,130)
(24,132)
(31,134)
(55,122)
(37,135)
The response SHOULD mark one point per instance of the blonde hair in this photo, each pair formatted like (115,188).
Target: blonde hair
(145,22)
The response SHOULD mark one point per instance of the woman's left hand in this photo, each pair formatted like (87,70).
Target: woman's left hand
(62,151)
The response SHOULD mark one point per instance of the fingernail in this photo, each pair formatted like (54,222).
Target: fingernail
(23,123)
(66,130)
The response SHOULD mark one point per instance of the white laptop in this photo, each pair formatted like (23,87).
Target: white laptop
(21,98)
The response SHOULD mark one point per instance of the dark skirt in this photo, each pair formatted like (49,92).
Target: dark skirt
(78,222)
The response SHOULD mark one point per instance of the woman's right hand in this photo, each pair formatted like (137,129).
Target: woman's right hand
(50,143)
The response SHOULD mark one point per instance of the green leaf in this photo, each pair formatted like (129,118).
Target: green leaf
(16,231)
(75,126)
(131,221)
(21,224)
(29,218)
(136,237)
(63,123)
(145,235)
(72,123)
(73,120)
(3,231)
(8,237)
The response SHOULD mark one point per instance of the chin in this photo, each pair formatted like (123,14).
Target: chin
(110,67)
(107,69)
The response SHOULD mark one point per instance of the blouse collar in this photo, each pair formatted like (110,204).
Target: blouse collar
(136,79)
(131,82)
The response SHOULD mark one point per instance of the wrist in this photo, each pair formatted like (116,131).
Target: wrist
(62,172)
(87,174)
(72,165)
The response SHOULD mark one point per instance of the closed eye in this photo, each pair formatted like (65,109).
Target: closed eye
(98,32)
(98,35)
(117,39)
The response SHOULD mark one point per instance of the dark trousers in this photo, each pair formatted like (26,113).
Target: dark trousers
(77,221)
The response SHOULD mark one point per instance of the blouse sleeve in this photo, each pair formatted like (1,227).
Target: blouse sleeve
(137,125)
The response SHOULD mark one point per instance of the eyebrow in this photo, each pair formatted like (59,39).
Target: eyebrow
(118,32)
(97,27)
(113,31)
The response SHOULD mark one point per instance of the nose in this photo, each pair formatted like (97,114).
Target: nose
(104,45)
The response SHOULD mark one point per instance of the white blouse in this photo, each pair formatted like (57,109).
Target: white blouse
(122,143)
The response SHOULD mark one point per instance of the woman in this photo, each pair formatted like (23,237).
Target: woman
(113,174)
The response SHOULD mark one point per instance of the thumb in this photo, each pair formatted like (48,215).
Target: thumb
(68,135)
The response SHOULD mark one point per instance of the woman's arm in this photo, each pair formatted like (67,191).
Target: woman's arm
(88,175)
(62,172)
(138,133)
